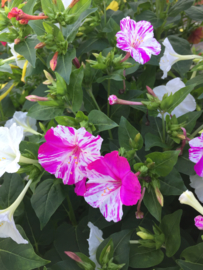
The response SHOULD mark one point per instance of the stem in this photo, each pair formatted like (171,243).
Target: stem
(41,59)
(163,125)
(193,74)
(27,160)
(71,212)
(2,112)
(170,73)
(7,92)
(135,155)
(89,91)
(158,130)
(35,242)
(196,131)
(108,105)
(126,57)
(105,12)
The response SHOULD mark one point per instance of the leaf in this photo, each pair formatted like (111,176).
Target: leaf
(127,132)
(31,147)
(196,81)
(189,266)
(152,140)
(6,68)
(64,64)
(21,256)
(184,165)
(101,121)
(47,197)
(75,88)
(79,8)
(92,44)
(68,264)
(28,8)
(181,5)
(121,247)
(39,91)
(193,254)
(170,226)
(172,101)
(150,16)
(142,257)
(116,76)
(37,27)
(27,49)
(195,13)
(164,162)
(40,112)
(152,204)
(172,184)
(190,118)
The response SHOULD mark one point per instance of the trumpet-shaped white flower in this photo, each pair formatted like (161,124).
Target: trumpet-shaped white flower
(188,198)
(197,184)
(7,224)
(187,105)
(21,119)
(20,63)
(170,57)
(94,241)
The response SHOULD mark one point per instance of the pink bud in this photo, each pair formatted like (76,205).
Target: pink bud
(159,196)
(36,98)
(112,99)
(139,215)
(150,91)
(17,40)
(199,222)
(3,43)
(76,62)
(40,45)
(73,256)
(23,21)
(53,62)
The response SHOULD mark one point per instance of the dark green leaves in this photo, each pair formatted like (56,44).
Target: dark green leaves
(193,254)
(101,121)
(47,197)
(170,226)
(152,204)
(40,112)
(180,6)
(164,162)
(152,140)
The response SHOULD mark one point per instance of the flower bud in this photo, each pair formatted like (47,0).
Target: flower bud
(53,62)
(34,98)
(112,99)
(73,256)
(188,198)
(17,40)
(199,222)
(159,196)
(40,45)
(49,77)
(76,62)
(145,235)
(3,43)
(23,21)
(150,91)
(139,215)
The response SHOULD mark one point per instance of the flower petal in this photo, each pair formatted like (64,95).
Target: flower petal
(199,167)
(80,187)
(151,46)
(196,182)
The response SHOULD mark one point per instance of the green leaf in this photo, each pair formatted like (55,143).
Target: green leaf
(127,132)
(172,184)
(172,101)
(6,68)
(164,162)
(195,13)
(152,140)
(184,165)
(116,76)
(21,256)
(64,64)
(196,81)
(121,247)
(149,16)
(152,204)
(10,189)
(190,118)
(101,121)
(142,257)
(75,88)
(48,6)
(92,44)
(47,197)
(37,27)
(68,264)
(79,8)
(193,254)
(170,226)
(189,266)
(27,49)
(28,8)
(180,6)
(66,121)
(39,91)
(31,147)
(44,112)
(15,3)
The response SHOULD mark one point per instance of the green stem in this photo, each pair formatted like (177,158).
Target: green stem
(27,160)
(196,131)
(135,155)
(2,113)
(35,242)
(158,129)
(41,59)
(134,242)
(71,212)
(93,98)
(105,12)
(163,125)
(170,73)
(108,106)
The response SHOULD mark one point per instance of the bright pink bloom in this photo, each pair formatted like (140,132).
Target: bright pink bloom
(14,12)
(137,39)
(3,43)
(111,184)
(67,152)
(199,222)
(196,154)
(112,99)
(80,187)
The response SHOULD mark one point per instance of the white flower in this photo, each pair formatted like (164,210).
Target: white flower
(94,241)
(170,57)
(7,224)
(10,139)
(21,119)
(187,105)
(66,3)
(188,198)
(197,184)
(20,63)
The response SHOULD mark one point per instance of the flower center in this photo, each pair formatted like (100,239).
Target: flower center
(1,224)
(136,43)
(2,159)
(106,191)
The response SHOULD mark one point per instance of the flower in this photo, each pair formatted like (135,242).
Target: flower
(34,98)
(196,154)
(113,6)
(111,184)
(199,222)
(114,100)
(20,63)
(10,139)
(170,57)
(7,224)
(4,43)
(14,12)
(21,119)
(80,187)
(95,239)
(187,105)
(3,3)
(188,198)
(137,39)
(53,62)
(66,3)
(196,36)
(67,152)
(23,17)
(196,182)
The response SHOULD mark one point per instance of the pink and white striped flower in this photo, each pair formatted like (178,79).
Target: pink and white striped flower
(138,40)
(67,152)
(196,154)
(111,184)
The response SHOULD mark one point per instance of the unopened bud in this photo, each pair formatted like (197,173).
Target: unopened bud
(40,45)
(139,215)
(23,21)
(48,76)
(159,196)
(181,136)
(112,99)
(53,62)
(73,256)
(145,236)
(76,62)
(34,98)
(16,41)
(47,82)
(73,2)
(150,91)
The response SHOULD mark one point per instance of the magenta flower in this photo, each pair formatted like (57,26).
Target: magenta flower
(111,184)
(199,222)
(67,152)
(196,154)
(138,40)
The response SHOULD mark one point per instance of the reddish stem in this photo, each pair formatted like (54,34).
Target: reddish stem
(126,57)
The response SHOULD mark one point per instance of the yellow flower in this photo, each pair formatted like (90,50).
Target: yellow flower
(24,71)
(113,5)
(7,92)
